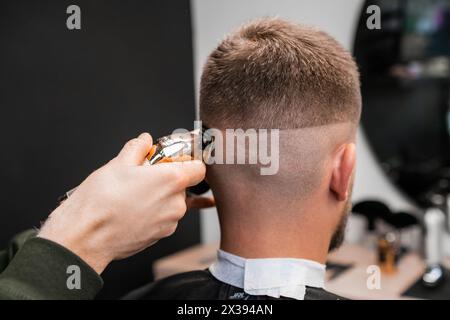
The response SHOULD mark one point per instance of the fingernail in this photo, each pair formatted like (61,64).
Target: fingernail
(144,135)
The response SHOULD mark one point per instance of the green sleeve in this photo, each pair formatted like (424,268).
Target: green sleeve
(3,260)
(35,268)
(13,246)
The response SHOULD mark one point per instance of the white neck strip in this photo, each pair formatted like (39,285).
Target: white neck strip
(273,277)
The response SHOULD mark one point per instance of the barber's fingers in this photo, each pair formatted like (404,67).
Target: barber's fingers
(181,158)
(182,175)
(135,150)
(200,202)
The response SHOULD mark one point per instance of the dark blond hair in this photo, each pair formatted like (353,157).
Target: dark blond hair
(271,73)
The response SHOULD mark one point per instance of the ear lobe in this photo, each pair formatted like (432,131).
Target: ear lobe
(343,166)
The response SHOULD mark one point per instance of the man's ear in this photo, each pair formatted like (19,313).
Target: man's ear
(343,165)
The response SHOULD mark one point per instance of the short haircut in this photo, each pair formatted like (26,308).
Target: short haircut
(272,73)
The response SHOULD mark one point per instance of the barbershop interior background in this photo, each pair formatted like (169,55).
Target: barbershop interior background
(71,98)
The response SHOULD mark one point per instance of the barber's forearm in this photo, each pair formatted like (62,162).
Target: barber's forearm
(83,239)
(42,269)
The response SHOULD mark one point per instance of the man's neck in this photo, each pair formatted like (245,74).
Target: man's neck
(274,234)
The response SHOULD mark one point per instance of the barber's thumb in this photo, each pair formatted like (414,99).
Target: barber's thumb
(134,152)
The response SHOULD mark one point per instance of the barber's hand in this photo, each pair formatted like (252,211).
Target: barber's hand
(123,207)
(196,201)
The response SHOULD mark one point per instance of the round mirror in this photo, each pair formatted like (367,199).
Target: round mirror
(405,74)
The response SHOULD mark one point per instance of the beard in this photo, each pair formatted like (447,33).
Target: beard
(339,234)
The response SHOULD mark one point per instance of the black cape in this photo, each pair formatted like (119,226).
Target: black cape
(201,285)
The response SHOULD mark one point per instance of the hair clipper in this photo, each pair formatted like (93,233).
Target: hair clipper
(190,145)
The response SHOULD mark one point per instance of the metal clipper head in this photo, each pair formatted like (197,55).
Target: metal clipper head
(178,145)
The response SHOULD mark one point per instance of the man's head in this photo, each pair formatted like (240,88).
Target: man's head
(273,74)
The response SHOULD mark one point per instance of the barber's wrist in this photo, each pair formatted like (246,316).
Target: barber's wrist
(82,239)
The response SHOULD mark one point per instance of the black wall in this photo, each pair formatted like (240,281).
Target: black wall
(70,99)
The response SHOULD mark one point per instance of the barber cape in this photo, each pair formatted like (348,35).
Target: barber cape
(234,278)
